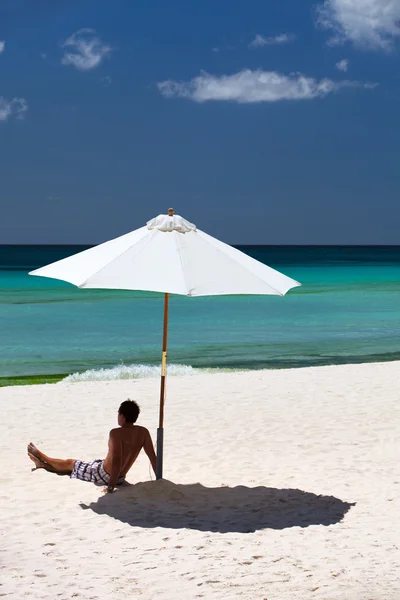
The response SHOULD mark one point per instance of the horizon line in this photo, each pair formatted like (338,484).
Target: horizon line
(231,244)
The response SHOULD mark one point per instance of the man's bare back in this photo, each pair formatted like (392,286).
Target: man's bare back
(124,445)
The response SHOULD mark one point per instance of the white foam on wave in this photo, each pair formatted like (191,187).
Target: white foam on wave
(130,372)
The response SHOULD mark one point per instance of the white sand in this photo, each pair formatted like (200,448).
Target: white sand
(323,444)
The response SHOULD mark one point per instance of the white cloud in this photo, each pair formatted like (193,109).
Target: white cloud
(2,46)
(369,23)
(84,50)
(343,65)
(253,86)
(260,40)
(15,107)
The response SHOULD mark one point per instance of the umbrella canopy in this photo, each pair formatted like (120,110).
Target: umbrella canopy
(168,255)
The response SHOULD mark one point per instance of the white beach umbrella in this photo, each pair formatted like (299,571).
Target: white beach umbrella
(168,255)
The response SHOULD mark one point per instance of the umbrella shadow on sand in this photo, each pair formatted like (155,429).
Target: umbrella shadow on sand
(224,509)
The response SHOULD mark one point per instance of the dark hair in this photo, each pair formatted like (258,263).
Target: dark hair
(130,410)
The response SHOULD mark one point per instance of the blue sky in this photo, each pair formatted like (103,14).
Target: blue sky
(260,121)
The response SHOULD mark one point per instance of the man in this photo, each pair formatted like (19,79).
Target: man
(124,446)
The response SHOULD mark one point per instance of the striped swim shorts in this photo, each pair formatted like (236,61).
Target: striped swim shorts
(92,471)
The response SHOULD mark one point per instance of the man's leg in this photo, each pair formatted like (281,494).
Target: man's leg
(39,464)
(55,465)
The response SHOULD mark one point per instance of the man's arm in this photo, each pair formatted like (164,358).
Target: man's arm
(149,449)
(115,448)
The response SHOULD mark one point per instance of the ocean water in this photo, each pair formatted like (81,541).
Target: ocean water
(347,311)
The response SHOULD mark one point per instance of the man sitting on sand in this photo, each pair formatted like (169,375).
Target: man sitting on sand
(124,445)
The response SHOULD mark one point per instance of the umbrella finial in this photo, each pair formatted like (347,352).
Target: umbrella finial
(171,222)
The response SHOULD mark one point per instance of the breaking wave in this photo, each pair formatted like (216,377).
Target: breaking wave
(131,372)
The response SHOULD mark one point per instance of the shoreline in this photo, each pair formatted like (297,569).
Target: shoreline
(52,378)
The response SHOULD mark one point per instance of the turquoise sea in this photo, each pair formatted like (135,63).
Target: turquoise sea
(347,311)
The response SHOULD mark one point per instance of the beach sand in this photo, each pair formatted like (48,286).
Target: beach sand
(279,485)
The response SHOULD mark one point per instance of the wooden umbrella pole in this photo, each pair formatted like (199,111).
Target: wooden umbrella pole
(160,430)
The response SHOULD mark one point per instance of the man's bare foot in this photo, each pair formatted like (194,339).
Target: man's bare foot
(38,463)
(34,451)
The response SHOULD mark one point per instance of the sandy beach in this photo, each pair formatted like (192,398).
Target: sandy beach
(278,485)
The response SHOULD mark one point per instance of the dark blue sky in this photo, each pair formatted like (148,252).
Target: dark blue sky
(270,139)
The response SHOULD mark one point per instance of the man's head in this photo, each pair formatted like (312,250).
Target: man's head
(128,412)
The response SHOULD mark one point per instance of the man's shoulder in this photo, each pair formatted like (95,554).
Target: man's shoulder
(141,429)
(115,432)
